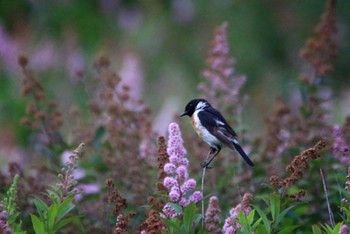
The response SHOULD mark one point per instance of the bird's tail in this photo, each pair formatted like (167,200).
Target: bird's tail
(238,147)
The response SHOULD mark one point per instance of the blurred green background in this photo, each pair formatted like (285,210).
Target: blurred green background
(160,48)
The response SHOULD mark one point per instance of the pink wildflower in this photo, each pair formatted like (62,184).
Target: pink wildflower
(169,182)
(231,224)
(169,168)
(196,196)
(169,211)
(222,84)
(180,187)
(344,229)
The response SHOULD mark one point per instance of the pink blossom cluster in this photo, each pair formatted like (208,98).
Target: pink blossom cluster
(344,229)
(231,225)
(4,226)
(223,84)
(181,188)
(340,148)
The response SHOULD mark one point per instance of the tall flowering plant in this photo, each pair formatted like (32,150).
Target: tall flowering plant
(222,85)
(181,188)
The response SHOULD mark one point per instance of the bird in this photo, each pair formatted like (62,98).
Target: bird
(213,128)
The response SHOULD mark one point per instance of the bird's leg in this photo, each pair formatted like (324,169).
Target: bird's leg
(204,163)
(213,151)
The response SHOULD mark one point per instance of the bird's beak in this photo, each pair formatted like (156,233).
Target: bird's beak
(184,113)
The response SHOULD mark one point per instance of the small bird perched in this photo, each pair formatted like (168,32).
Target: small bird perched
(212,127)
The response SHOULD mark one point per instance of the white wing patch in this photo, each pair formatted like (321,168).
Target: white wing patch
(218,122)
(235,141)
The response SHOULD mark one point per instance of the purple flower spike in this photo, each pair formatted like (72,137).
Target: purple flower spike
(180,186)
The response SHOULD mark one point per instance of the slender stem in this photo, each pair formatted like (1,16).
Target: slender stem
(331,217)
(202,188)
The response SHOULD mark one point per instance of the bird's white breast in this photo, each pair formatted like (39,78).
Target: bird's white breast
(203,132)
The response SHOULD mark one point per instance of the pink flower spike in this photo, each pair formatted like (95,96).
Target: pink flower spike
(180,187)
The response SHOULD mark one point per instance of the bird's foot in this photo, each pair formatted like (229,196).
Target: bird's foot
(205,164)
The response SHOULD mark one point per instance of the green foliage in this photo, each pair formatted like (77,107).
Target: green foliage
(273,216)
(52,218)
(346,212)
(10,206)
(11,196)
(172,51)
(249,225)
(186,223)
(326,229)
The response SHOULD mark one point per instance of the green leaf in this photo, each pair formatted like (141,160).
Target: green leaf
(288,229)
(64,208)
(243,220)
(316,229)
(250,217)
(54,196)
(38,225)
(336,229)
(188,216)
(17,228)
(281,215)
(275,205)
(172,224)
(175,206)
(52,214)
(264,218)
(256,224)
(41,208)
(197,219)
(64,222)
(261,229)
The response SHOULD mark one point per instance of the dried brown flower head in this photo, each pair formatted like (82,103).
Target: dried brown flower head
(43,115)
(212,218)
(153,224)
(297,169)
(115,198)
(130,148)
(123,221)
(162,160)
(320,49)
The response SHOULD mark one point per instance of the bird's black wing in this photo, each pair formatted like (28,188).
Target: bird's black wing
(220,122)
(218,126)
(212,120)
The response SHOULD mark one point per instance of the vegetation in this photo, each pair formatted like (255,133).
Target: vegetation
(99,148)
